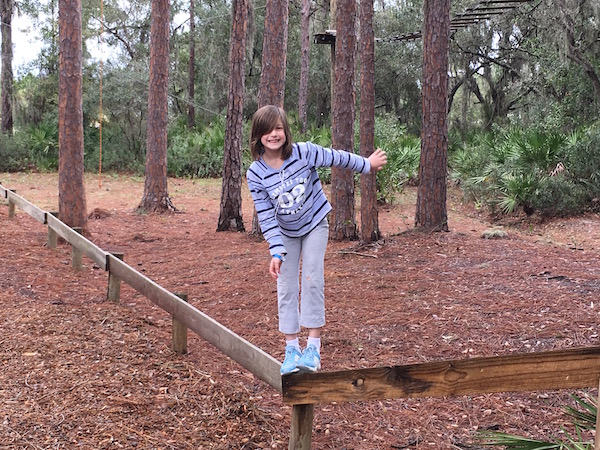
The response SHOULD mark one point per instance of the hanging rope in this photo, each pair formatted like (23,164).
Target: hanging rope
(100,117)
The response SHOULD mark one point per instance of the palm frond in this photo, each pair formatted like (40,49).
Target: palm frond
(514,442)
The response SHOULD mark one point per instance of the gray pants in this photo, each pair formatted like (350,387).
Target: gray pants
(310,312)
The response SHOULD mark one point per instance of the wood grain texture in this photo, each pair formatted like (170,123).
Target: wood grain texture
(26,206)
(564,369)
(90,249)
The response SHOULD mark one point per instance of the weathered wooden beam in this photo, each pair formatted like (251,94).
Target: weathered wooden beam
(94,252)
(52,236)
(179,331)
(562,369)
(260,363)
(26,206)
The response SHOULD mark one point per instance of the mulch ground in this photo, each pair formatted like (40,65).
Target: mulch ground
(78,371)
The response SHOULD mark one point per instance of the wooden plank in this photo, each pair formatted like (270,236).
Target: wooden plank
(93,252)
(27,207)
(179,332)
(301,427)
(3,191)
(563,369)
(113,292)
(260,363)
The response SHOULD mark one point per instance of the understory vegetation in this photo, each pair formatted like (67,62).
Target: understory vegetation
(505,171)
(582,416)
(532,170)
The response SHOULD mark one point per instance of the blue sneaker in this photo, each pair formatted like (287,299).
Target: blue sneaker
(290,362)
(310,360)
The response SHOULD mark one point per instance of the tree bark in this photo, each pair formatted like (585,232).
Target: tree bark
(343,223)
(272,76)
(156,197)
(369,220)
(6,13)
(431,211)
(304,65)
(191,117)
(230,217)
(71,188)
(274,56)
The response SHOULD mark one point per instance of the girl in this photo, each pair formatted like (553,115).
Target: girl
(292,212)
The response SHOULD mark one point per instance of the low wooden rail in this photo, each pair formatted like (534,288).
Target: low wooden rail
(260,363)
(560,369)
(540,371)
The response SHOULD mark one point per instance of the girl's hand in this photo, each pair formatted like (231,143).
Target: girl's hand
(378,159)
(275,267)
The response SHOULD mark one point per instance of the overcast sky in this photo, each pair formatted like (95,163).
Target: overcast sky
(26,46)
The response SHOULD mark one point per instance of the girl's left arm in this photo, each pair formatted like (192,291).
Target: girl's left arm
(328,157)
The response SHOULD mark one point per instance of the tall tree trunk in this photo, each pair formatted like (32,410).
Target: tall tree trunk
(431,196)
(274,57)
(333,18)
(343,223)
(191,118)
(369,220)
(6,83)
(71,188)
(304,65)
(156,197)
(230,217)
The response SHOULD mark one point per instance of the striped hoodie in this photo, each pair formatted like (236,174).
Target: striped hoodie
(291,200)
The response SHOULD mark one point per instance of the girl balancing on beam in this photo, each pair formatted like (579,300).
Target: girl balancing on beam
(292,212)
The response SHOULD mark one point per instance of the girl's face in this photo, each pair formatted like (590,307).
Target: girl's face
(274,139)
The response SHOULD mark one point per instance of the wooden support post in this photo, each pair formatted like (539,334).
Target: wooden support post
(301,427)
(52,236)
(11,206)
(179,332)
(76,253)
(113,293)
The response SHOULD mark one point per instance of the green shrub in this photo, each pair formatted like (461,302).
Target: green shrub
(116,153)
(402,168)
(582,161)
(43,145)
(559,196)
(14,153)
(404,153)
(197,154)
(510,170)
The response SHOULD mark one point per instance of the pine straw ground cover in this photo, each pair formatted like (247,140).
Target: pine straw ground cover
(80,372)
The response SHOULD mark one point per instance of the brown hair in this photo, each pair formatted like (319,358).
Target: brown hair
(264,121)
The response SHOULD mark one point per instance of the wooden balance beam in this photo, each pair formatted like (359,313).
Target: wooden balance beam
(559,369)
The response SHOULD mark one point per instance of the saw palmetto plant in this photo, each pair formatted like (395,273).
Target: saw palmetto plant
(583,416)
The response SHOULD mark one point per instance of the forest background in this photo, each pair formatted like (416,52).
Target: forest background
(523,95)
